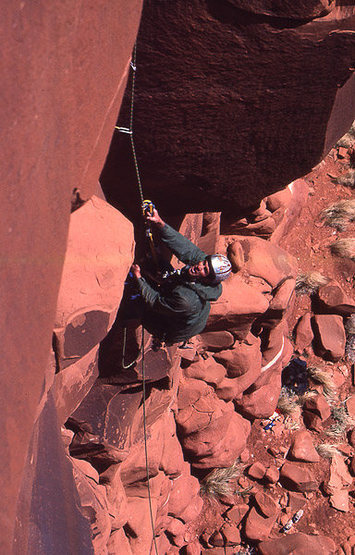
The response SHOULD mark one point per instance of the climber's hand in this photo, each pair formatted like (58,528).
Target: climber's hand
(136,271)
(155,219)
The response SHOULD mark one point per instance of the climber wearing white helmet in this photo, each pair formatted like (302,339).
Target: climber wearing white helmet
(178,307)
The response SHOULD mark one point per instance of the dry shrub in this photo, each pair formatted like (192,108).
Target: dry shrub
(327,450)
(348,139)
(324,378)
(221,481)
(309,282)
(344,248)
(339,214)
(347,179)
(350,339)
(342,421)
(288,402)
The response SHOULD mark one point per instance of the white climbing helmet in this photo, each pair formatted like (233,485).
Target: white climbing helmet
(220,267)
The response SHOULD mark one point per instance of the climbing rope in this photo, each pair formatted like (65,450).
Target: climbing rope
(129,131)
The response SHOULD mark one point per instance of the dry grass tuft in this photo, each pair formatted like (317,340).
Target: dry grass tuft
(221,481)
(307,395)
(342,422)
(344,248)
(323,377)
(348,139)
(288,402)
(350,339)
(309,282)
(347,179)
(339,214)
(327,450)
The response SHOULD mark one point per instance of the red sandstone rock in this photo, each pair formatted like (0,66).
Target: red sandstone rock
(282,296)
(266,504)
(312,421)
(258,528)
(296,501)
(207,370)
(247,174)
(237,308)
(230,534)
(330,336)
(172,459)
(118,543)
(219,444)
(319,406)
(274,346)
(231,388)
(217,340)
(261,399)
(257,471)
(352,437)
(201,414)
(350,405)
(281,199)
(116,495)
(272,474)
(298,544)
(338,483)
(236,255)
(237,513)
(333,298)
(302,448)
(190,390)
(297,478)
(243,357)
(303,333)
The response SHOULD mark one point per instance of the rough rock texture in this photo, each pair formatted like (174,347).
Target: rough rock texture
(229,149)
(99,255)
(297,478)
(54,141)
(302,448)
(330,336)
(298,544)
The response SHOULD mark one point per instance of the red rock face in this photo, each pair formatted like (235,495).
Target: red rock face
(61,95)
(214,83)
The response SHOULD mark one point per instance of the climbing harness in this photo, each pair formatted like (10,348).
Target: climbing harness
(147,208)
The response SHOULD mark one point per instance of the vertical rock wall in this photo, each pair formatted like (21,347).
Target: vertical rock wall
(64,68)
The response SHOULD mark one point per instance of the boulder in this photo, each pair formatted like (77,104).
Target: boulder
(329,336)
(265,504)
(219,444)
(303,333)
(272,474)
(231,534)
(318,406)
(207,370)
(116,495)
(201,414)
(242,357)
(238,306)
(184,500)
(297,478)
(332,298)
(231,388)
(350,405)
(217,340)
(302,448)
(260,400)
(237,513)
(92,279)
(257,471)
(257,527)
(338,484)
(298,544)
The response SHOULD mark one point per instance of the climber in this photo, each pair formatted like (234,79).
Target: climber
(177,308)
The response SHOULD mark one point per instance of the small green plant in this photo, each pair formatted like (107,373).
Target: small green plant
(327,450)
(221,481)
(347,179)
(340,214)
(308,283)
(344,248)
(323,377)
(342,421)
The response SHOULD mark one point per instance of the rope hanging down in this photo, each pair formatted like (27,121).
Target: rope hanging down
(129,131)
